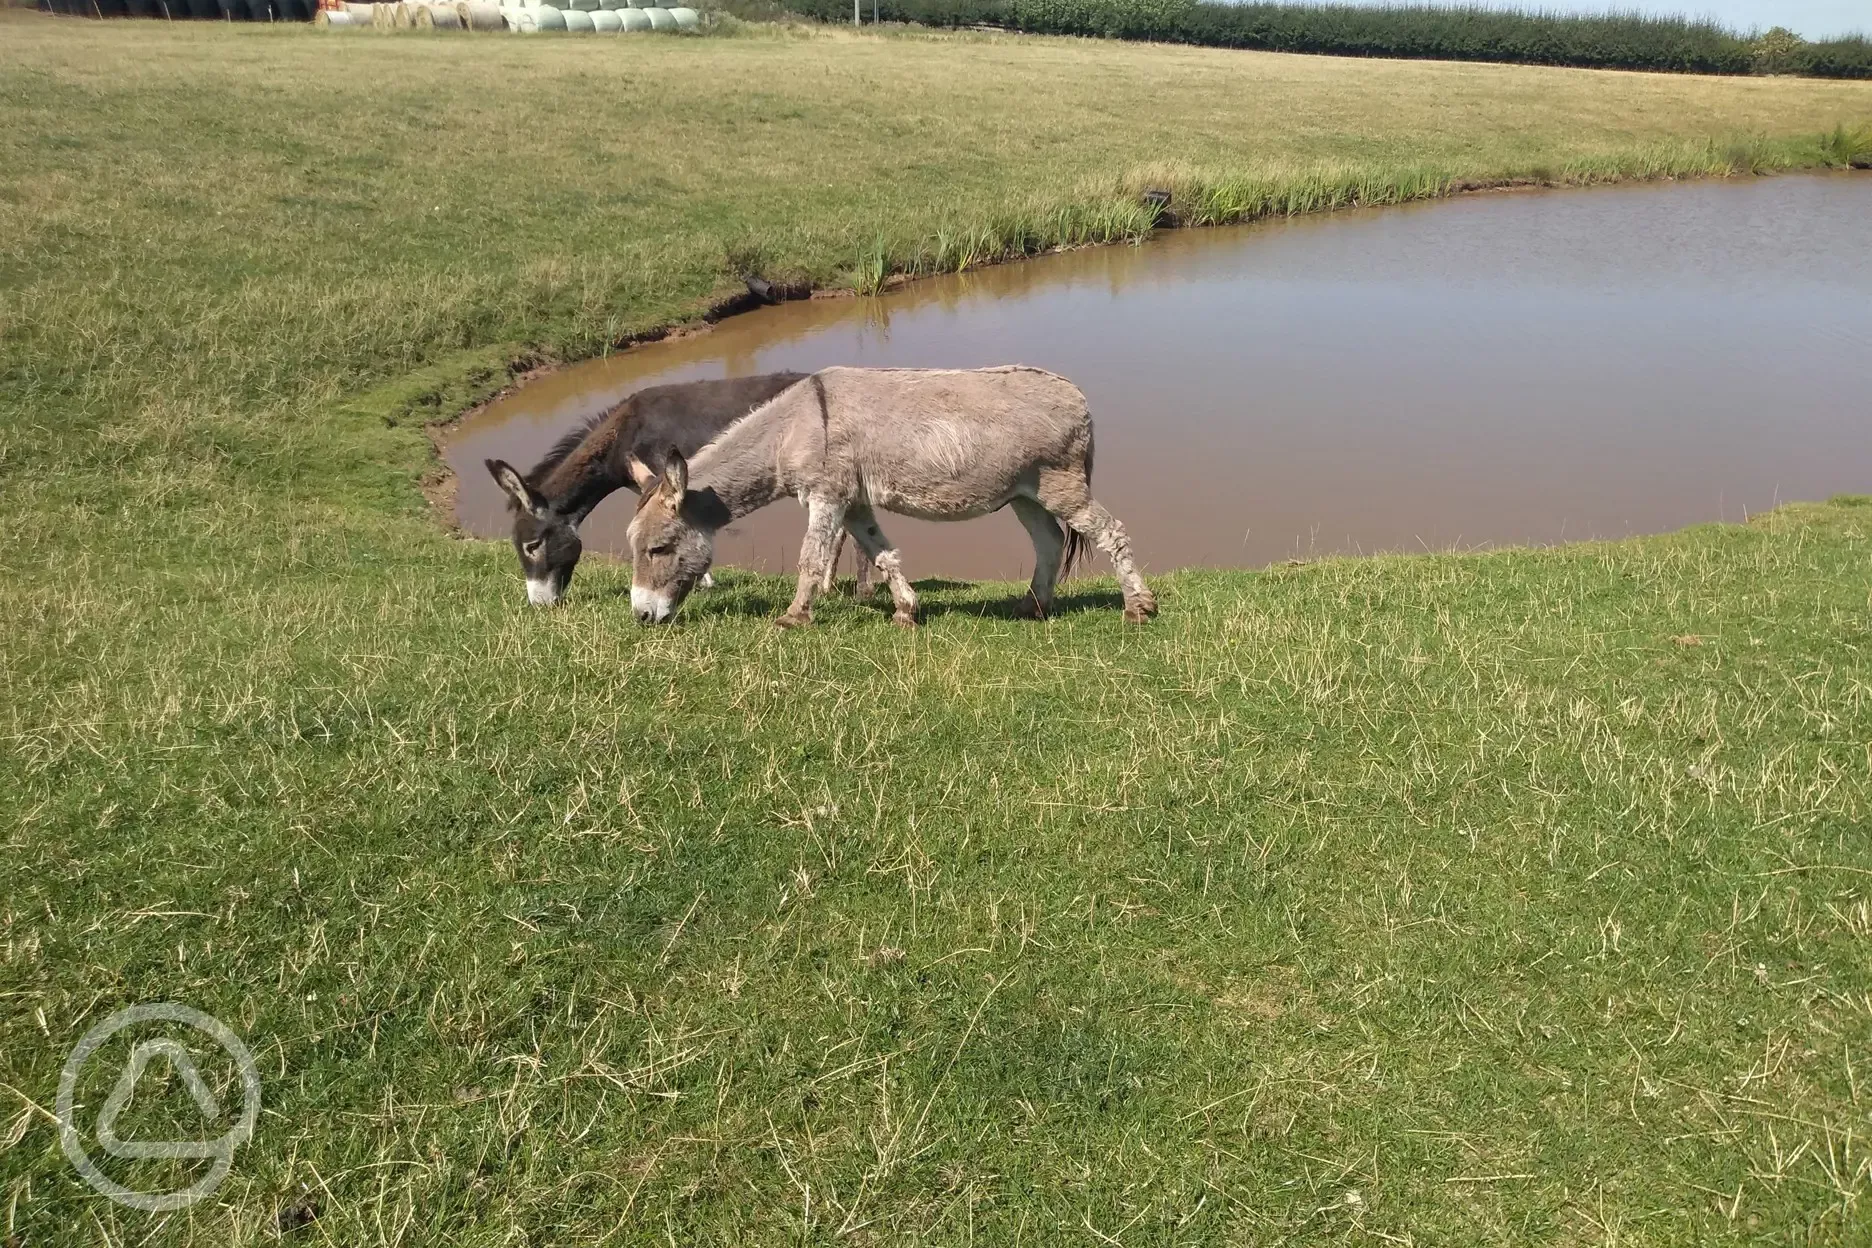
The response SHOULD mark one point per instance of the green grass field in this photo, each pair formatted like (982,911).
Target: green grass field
(1521,897)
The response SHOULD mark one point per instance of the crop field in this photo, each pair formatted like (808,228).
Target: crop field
(1519,897)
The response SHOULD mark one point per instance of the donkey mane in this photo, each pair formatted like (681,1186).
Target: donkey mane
(564,447)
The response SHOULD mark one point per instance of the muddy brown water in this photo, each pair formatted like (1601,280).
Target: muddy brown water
(1505,369)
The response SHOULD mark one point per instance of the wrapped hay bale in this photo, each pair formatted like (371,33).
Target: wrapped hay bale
(327,18)
(546,17)
(687,19)
(383,15)
(362,14)
(578,21)
(660,19)
(582,6)
(480,15)
(606,22)
(635,19)
(438,17)
(402,17)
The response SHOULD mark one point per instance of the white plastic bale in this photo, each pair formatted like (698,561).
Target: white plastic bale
(578,21)
(326,17)
(546,17)
(480,15)
(686,19)
(606,22)
(660,19)
(635,19)
(582,6)
(362,14)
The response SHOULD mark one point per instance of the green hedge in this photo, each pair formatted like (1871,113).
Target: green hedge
(1833,58)
(1616,41)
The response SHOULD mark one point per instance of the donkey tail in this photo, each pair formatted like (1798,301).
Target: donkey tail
(1075,543)
(1075,551)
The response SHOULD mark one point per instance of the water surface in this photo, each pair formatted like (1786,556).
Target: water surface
(1501,369)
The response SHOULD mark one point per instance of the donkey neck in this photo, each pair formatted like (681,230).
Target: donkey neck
(589,474)
(742,466)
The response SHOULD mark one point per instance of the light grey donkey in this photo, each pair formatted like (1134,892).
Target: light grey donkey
(937,444)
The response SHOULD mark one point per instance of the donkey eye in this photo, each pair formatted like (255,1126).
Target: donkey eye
(532,549)
(665,549)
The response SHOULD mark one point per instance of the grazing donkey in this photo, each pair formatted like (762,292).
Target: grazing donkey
(937,444)
(590,463)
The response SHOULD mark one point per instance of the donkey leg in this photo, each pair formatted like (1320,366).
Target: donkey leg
(830,582)
(868,576)
(1048,543)
(1067,496)
(866,570)
(871,540)
(825,520)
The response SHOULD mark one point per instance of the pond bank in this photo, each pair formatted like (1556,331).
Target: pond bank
(1660,432)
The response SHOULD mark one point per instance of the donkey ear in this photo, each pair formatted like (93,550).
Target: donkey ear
(641,474)
(675,474)
(515,487)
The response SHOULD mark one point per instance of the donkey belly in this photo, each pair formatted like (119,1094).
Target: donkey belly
(924,507)
(986,488)
(937,469)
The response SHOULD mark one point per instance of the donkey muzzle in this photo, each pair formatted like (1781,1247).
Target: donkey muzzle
(650,607)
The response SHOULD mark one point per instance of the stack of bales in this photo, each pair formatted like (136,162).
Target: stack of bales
(520,16)
(416,15)
(601,16)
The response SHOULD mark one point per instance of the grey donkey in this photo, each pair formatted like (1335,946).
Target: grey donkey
(937,444)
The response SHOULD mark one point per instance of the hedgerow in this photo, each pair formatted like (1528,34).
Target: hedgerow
(1422,32)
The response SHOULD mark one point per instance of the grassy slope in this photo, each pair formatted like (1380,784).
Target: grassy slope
(1310,911)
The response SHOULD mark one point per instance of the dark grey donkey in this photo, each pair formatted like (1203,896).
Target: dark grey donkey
(593,461)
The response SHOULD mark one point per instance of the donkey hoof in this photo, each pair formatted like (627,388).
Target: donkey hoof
(794,619)
(1029,608)
(904,619)
(1139,612)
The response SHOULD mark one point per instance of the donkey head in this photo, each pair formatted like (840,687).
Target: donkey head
(672,538)
(546,541)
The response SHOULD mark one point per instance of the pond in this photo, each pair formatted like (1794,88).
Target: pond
(1501,369)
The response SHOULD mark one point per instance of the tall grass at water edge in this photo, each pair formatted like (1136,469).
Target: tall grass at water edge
(1198,196)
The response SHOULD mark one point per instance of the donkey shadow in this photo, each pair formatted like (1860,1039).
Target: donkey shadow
(737,598)
(1012,608)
